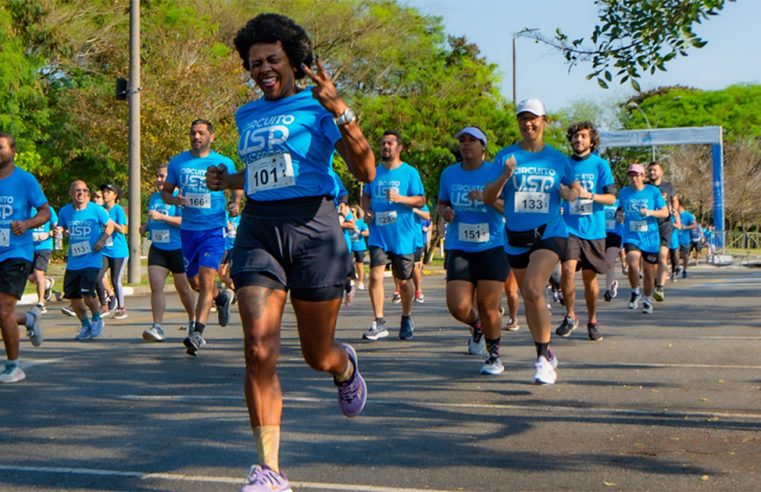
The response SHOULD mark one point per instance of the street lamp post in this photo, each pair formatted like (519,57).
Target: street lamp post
(516,35)
(634,105)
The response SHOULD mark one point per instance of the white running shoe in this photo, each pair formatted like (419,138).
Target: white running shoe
(634,300)
(492,365)
(34,330)
(512,325)
(12,373)
(375,332)
(614,289)
(153,334)
(647,307)
(545,373)
(476,348)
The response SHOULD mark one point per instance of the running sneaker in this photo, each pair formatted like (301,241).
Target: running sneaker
(607,295)
(512,325)
(120,313)
(265,479)
(557,296)
(111,303)
(84,333)
(406,328)
(68,311)
(361,286)
(634,300)
(476,347)
(34,330)
(375,331)
(154,334)
(678,271)
(545,372)
(396,298)
(49,282)
(223,307)
(42,308)
(193,342)
(684,274)
(419,297)
(349,297)
(659,295)
(96,329)
(614,289)
(106,313)
(594,332)
(647,307)
(567,326)
(492,365)
(352,394)
(12,373)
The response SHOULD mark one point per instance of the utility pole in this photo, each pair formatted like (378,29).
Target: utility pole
(133,272)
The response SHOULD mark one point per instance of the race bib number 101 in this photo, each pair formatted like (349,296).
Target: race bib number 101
(269,173)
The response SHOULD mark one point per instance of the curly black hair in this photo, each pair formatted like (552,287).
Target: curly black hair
(270,28)
(584,125)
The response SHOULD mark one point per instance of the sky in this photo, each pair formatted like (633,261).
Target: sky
(732,55)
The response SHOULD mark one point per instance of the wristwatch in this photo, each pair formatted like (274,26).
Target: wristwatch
(347,117)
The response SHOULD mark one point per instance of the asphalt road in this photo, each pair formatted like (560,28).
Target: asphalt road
(669,401)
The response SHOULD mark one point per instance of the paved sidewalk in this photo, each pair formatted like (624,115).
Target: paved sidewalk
(669,401)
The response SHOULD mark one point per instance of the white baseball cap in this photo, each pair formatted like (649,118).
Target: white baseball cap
(532,105)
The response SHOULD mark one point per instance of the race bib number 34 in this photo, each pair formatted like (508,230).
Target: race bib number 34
(581,207)
(473,233)
(532,202)
(269,173)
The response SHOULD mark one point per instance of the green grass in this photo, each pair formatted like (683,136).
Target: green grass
(57,268)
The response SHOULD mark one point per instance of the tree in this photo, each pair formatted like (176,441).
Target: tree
(633,37)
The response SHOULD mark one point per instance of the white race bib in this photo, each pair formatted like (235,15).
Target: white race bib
(385,218)
(161,237)
(38,236)
(109,241)
(82,248)
(269,173)
(581,207)
(610,224)
(5,237)
(198,200)
(532,202)
(473,233)
(638,226)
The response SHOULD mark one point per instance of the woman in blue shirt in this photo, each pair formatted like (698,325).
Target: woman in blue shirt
(532,178)
(289,237)
(116,252)
(475,248)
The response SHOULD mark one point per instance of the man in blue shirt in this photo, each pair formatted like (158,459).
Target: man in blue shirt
(585,219)
(394,233)
(165,256)
(203,225)
(19,192)
(89,228)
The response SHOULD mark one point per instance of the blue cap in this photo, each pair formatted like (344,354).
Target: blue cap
(473,132)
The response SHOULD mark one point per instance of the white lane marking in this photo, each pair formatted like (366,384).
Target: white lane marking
(26,363)
(660,412)
(198,479)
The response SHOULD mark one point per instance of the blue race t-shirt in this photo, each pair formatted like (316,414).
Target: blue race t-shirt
(287,146)
(532,194)
(674,241)
(395,229)
(231,231)
(164,236)
(685,235)
(357,239)
(116,246)
(347,232)
(43,231)
(639,230)
(476,226)
(611,224)
(206,208)
(19,192)
(85,228)
(585,218)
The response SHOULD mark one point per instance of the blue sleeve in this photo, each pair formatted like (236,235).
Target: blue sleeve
(659,201)
(230,166)
(102,215)
(53,217)
(171,172)
(121,216)
(569,176)
(36,197)
(415,184)
(444,187)
(62,220)
(330,129)
(605,177)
